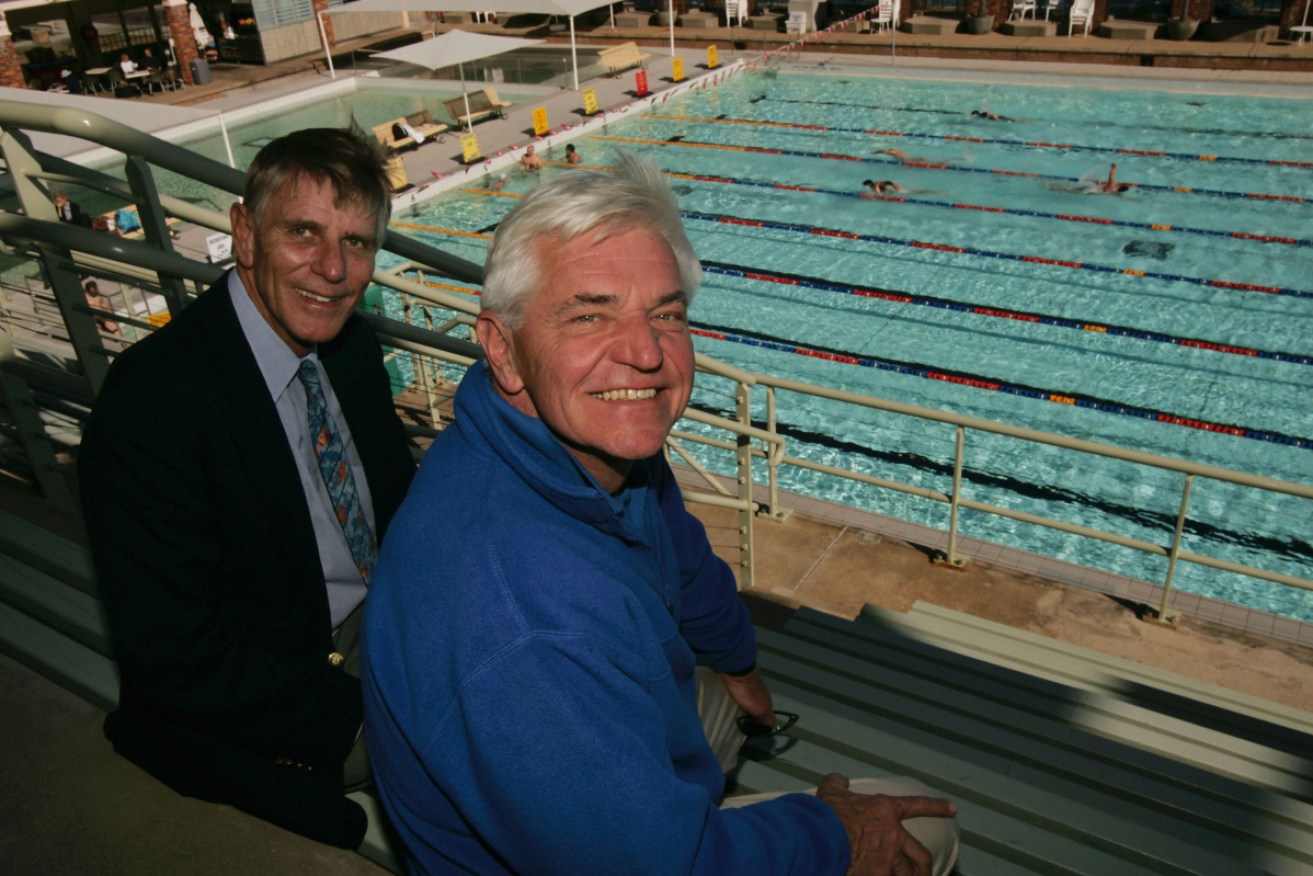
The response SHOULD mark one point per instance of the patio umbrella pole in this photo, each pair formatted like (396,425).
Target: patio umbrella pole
(469,125)
(323,38)
(574,57)
(670,6)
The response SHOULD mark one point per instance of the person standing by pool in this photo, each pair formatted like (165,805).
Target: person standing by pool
(529,161)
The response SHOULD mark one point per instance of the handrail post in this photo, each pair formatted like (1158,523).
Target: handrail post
(773,460)
(951,559)
(1166,616)
(51,478)
(743,473)
(155,226)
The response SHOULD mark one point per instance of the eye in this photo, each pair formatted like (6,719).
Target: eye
(671,317)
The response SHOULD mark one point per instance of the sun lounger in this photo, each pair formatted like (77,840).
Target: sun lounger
(421,121)
(619,58)
(481,103)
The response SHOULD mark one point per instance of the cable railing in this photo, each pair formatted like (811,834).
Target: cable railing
(746,444)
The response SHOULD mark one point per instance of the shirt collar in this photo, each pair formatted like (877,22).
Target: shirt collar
(277,362)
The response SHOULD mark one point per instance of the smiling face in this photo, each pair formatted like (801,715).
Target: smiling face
(307,262)
(603,354)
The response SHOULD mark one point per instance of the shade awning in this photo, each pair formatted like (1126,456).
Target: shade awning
(455,47)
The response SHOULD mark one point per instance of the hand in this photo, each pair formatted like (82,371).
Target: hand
(873,822)
(751,695)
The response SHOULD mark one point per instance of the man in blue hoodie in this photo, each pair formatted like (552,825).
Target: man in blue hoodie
(531,695)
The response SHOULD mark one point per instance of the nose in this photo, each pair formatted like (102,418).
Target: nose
(637,344)
(330,261)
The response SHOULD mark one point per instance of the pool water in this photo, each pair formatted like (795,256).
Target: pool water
(1184,302)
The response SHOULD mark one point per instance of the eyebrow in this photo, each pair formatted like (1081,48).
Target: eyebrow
(602,298)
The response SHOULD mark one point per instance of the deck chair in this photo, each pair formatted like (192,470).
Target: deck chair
(1021,7)
(1080,13)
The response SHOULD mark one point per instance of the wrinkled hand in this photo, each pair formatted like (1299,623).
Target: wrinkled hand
(751,695)
(880,844)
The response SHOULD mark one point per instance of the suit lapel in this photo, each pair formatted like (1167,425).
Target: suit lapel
(248,415)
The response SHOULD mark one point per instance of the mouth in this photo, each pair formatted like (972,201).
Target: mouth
(316,299)
(625,394)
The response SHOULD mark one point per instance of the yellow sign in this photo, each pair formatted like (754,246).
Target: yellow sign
(590,102)
(712,61)
(677,69)
(540,121)
(158,319)
(469,147)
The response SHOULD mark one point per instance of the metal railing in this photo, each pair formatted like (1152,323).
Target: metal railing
(434,334)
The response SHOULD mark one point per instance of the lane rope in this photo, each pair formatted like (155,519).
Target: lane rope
(974,381)
(956,205)
(957,168)
(799,228)
(899,297)
(1271,135)
(996,141)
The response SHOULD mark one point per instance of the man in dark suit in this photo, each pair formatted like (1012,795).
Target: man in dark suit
(232,565)
(69,212)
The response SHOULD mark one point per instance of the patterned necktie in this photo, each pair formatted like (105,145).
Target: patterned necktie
(336,470)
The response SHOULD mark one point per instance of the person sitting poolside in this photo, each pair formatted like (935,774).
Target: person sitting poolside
(127,65)
(404,130)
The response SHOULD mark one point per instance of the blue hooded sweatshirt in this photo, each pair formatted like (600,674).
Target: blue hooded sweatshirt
(529,653)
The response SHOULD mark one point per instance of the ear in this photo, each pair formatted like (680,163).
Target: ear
(499,349)
(243,235)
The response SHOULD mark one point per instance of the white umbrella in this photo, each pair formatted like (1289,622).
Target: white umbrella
(454,48)
(568,8)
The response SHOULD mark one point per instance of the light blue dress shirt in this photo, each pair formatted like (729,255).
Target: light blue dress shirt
(278,364)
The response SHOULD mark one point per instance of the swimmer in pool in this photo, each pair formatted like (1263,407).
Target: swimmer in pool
(889,187)
(993,117)
(1108,186)
(882,186)
(903,158)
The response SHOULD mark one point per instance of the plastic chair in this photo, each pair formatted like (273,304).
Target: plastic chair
(884,15)
(1080,13)
(1021,7)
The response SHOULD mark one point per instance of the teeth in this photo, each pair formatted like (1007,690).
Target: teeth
(313,297)
(625,394)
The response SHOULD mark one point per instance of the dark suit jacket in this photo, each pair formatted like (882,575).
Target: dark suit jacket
(210,574)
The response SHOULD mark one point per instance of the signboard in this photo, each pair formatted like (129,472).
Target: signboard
(469,147)
(220,247)
(540,121)
(677,69)
(713,61)
(590,101)
(640,83)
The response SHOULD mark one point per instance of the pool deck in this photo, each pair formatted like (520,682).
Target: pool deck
(75,806)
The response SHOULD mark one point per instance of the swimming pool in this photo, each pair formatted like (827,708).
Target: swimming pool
(1173,319)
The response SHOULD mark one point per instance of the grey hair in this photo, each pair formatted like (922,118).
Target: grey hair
(559,209)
